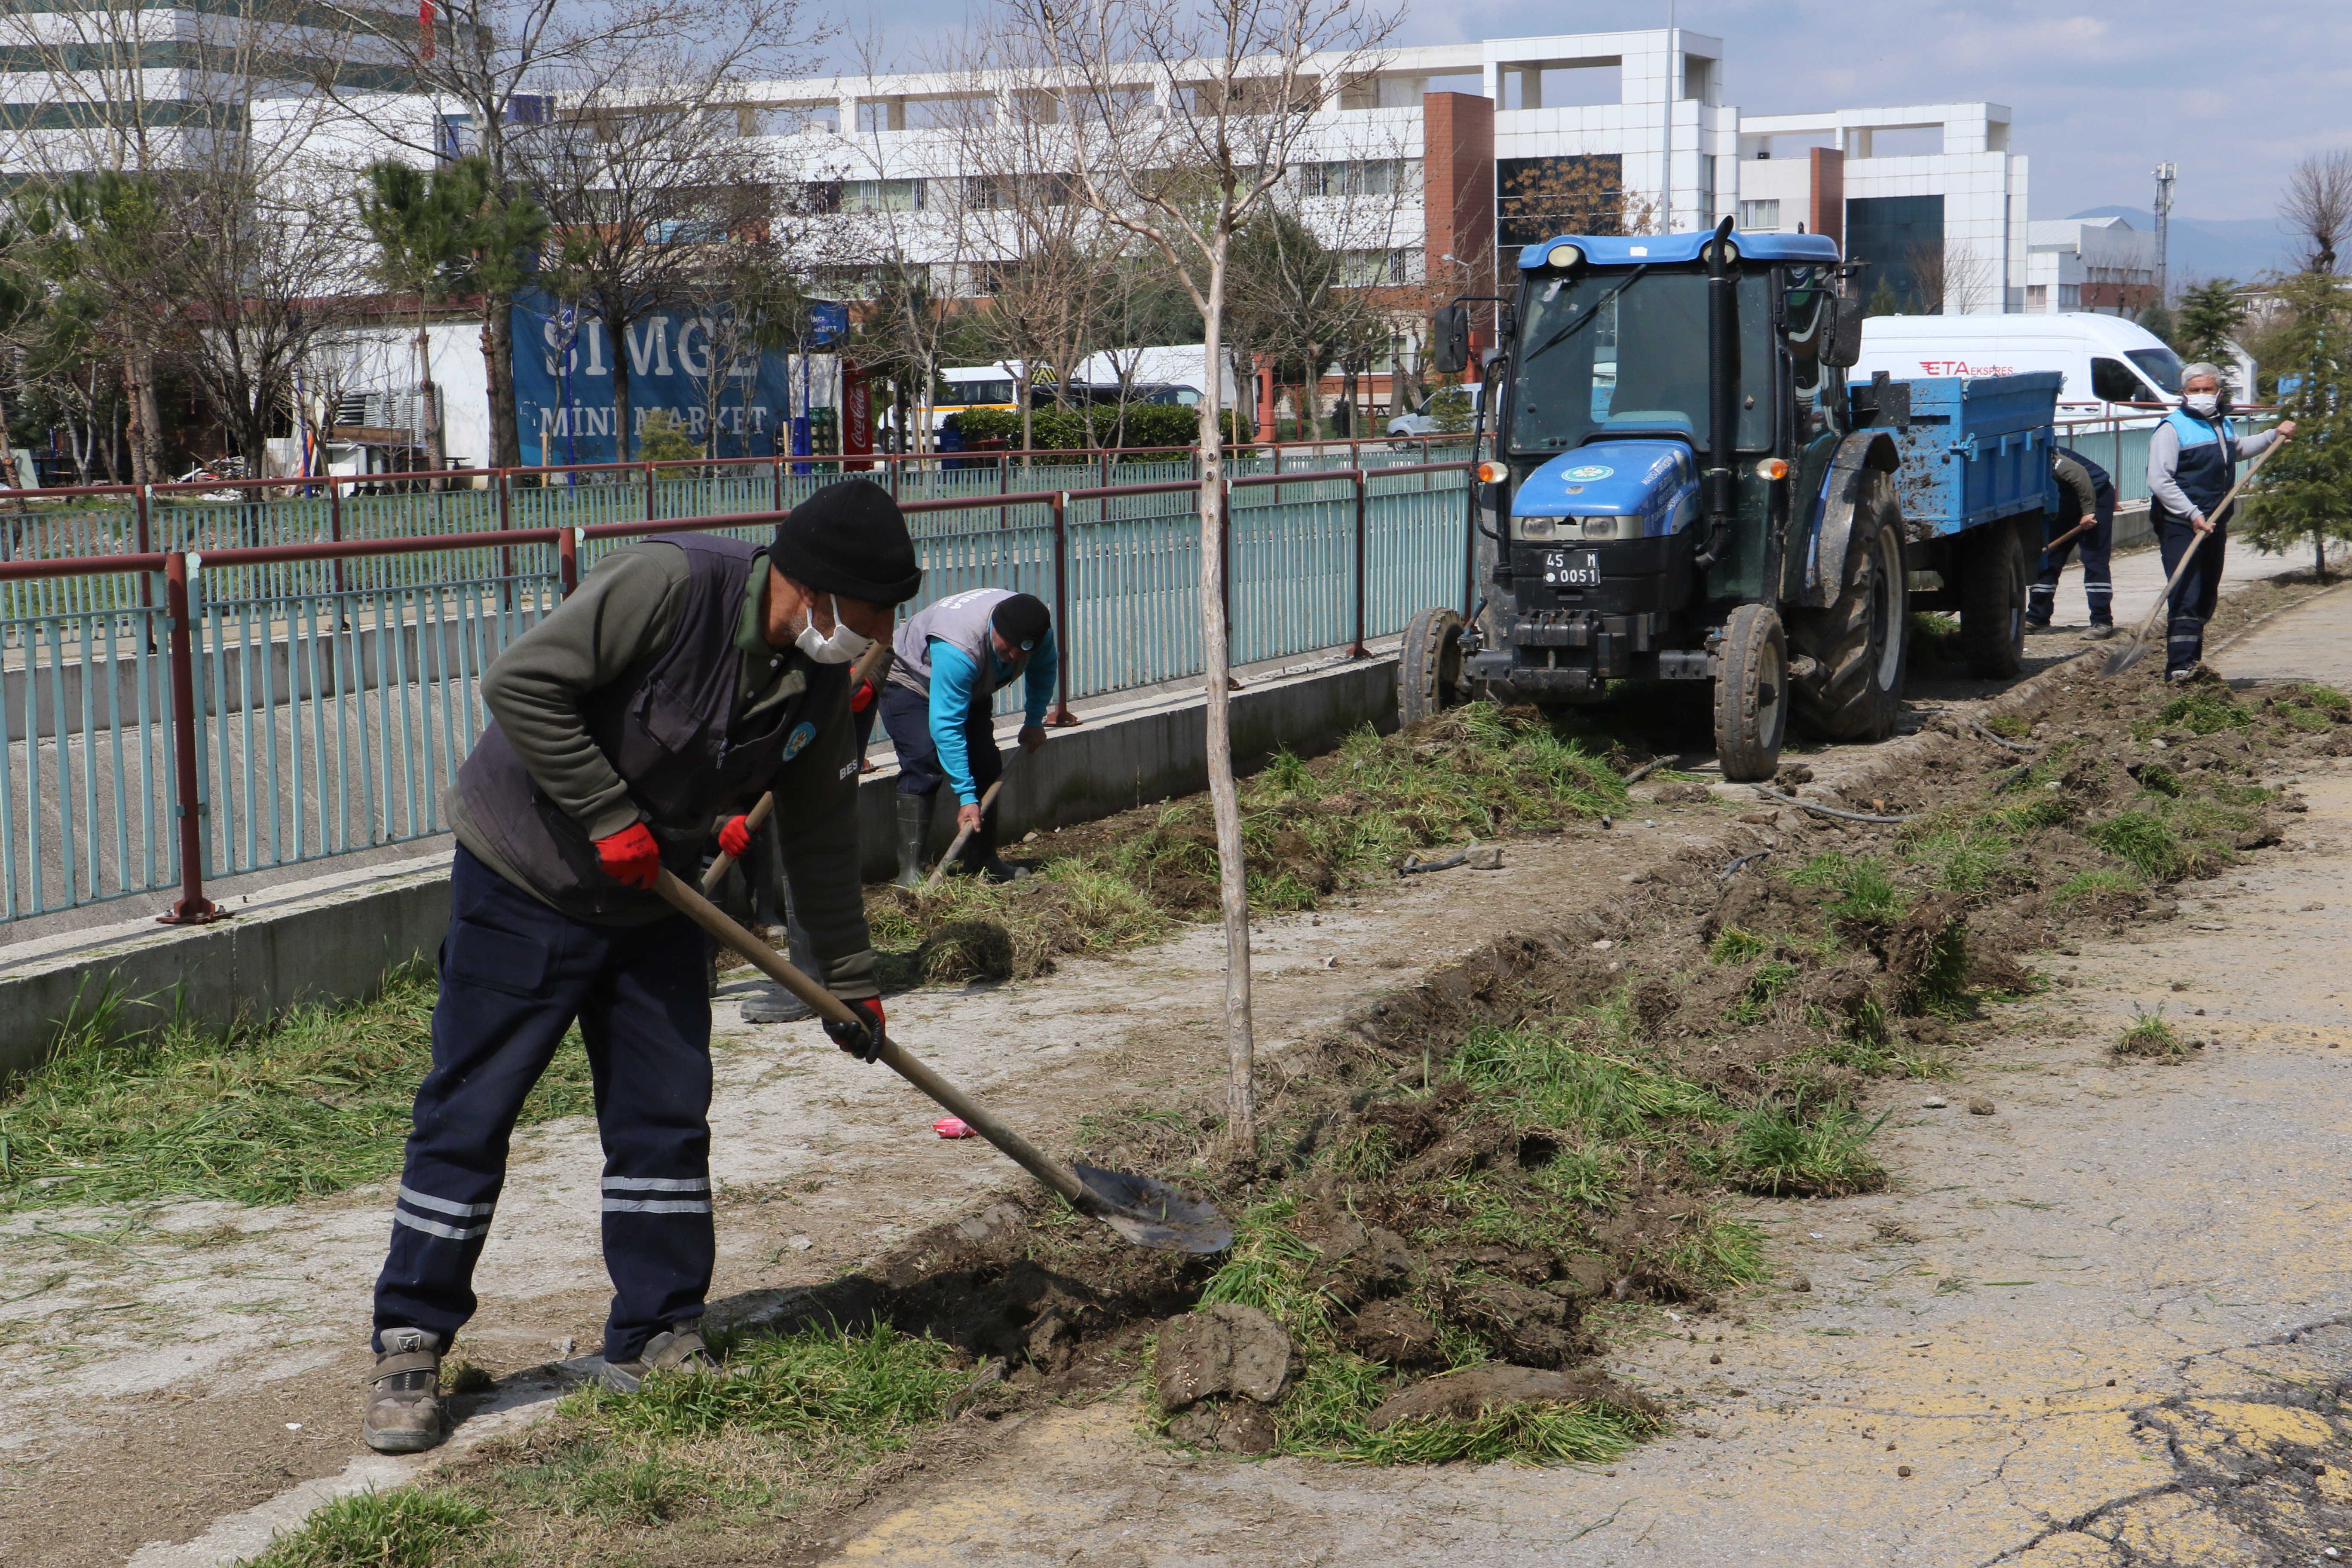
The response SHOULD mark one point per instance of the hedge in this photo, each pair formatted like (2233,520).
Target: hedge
(1057,429)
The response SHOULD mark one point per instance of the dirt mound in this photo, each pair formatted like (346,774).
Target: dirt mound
(1468,1394)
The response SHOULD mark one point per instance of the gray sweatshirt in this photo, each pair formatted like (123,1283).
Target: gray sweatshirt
(625,612)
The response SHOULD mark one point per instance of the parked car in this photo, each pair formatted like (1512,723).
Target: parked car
(1422,422)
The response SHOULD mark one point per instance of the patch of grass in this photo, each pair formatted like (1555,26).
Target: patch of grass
(1585,1434)
(1767,983)
(2010,726)
(2144,841)
(2093,884)
(2151,1036)
(1717,1251)
(1935,638)
(2326,697)
(2206,711)
(2157,779)
(1734,946)
(872,1387)
(1547,1081)
(2045,811)
(404,1529)
(1779,1149)
(1865,891)
(1964,859)
(315,1103)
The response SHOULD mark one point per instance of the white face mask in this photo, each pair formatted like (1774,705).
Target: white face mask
(2204,404)
(842,646)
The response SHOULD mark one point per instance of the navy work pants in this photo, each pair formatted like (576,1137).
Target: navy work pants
(514,975)
(2098,549)
(2200,589)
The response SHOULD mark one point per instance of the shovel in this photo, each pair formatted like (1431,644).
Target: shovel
(1147,1213)
(2124,657)
(963,835)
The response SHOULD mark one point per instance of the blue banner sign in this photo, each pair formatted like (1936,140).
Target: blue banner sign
(563,372)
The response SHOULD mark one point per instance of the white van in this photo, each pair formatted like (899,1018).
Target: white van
(2109,364)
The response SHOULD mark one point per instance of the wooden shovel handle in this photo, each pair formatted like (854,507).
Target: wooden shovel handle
(963,835)
(868,668)
(973,1114)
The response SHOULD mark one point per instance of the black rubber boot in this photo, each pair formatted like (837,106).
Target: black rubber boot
(980,856)
(914,834)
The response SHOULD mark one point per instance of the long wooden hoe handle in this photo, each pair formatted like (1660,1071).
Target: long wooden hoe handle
(2164,599)
(963,835)
(976,1116)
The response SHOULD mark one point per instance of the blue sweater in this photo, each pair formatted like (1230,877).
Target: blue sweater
(953,678)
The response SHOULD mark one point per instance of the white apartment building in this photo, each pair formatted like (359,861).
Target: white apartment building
(2089,263)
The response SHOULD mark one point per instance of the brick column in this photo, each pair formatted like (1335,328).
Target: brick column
(1825,210)
(1457,175)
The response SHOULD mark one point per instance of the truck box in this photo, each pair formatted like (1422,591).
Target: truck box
(1974,449)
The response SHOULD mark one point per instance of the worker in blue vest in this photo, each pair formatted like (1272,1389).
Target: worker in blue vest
(2192,462)
(2086,511)
(952,658)
(685,675)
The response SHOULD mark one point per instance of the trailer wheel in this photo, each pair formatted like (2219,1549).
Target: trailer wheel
(1993,586)
(1429,676)
(1859,644)
(1751,694)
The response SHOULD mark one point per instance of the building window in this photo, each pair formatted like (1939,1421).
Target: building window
(2070,296)
(1760,216)
(2037,296)
(1377,177)
(1541,197)
(1370,269)
(1896,235)
(882,196)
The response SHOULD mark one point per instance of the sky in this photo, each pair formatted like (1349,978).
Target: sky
(2235,95)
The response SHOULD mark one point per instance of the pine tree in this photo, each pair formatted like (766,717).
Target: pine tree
(2307,488)
(2209,316)
(1882,302)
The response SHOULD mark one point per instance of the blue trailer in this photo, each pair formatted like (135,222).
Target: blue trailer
(1686,484)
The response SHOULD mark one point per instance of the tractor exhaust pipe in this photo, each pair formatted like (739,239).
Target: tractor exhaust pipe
(1717,491)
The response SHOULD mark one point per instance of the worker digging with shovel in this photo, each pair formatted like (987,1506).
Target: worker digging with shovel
(953,658)
(684,676)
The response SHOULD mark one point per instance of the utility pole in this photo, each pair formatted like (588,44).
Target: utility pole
(2165,175)
(1666,181)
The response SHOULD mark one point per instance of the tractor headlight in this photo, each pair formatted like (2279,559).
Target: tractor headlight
(1563,256)
(1543,528)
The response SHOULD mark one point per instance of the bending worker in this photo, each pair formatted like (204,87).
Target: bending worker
(684,676)
(2086,511)
(952,658)
(2193,461)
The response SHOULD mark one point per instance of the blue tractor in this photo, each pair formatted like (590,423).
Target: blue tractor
(1684,486)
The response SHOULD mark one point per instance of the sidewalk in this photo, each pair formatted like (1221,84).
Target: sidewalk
(2139,578)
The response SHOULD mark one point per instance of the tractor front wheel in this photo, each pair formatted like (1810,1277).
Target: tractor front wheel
(1429,675)
(1751,694)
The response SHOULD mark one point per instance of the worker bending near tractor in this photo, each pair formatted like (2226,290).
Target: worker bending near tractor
(952,658)
(2192,462)
(2086,521)
(684,676)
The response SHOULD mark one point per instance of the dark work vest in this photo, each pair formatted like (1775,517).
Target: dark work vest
(662,726)
(2204,470)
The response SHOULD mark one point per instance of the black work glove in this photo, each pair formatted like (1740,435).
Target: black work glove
(863,1040)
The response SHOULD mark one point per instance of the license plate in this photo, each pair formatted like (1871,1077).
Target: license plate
(1572,568)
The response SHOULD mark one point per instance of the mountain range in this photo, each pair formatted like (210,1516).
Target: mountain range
(2243,248)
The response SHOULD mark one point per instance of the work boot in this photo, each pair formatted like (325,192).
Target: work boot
(980,856)
(914,835)
(678,1347)
(402,1415)
(2101,631)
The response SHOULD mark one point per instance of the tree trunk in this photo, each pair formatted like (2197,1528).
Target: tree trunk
(2319,554)
(1225,798)
(135,436)
(497,373)
(428,404)
(619,332)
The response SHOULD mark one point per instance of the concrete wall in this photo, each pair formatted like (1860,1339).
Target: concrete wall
(333,939)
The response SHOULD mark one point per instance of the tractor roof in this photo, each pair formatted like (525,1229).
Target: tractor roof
(1623,250)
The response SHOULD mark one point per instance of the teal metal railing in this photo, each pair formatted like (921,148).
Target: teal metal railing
(195,686)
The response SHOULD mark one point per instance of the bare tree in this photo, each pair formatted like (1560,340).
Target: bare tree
(1178,121)
(2316,206)
(1949,279)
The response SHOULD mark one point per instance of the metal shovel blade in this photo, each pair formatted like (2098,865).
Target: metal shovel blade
(1153,1214)
(2123,659)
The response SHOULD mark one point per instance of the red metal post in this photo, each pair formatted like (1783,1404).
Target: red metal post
(1061,717)
(335,524)
(146,543)
(567,554)
(1357,648)
(194,908)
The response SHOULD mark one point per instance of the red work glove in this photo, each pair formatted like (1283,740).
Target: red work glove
(736,836)
(632,857)
(863,698)
(862,1041)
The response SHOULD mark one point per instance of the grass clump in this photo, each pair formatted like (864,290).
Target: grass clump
(2145,842)
(2094,884)
(1545,1080)
(2206,711)
(1935,638)
(317,1102)
(1778,1149)
(404,1529)
(1591,1432)
(1865,892)
(2151,1035)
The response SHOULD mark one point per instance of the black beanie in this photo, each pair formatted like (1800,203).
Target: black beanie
(850,539)
(1022,620)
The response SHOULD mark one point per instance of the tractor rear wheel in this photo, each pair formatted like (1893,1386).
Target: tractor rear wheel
(1429,675)
(1751,694)
(1859,644)
(1993,586)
